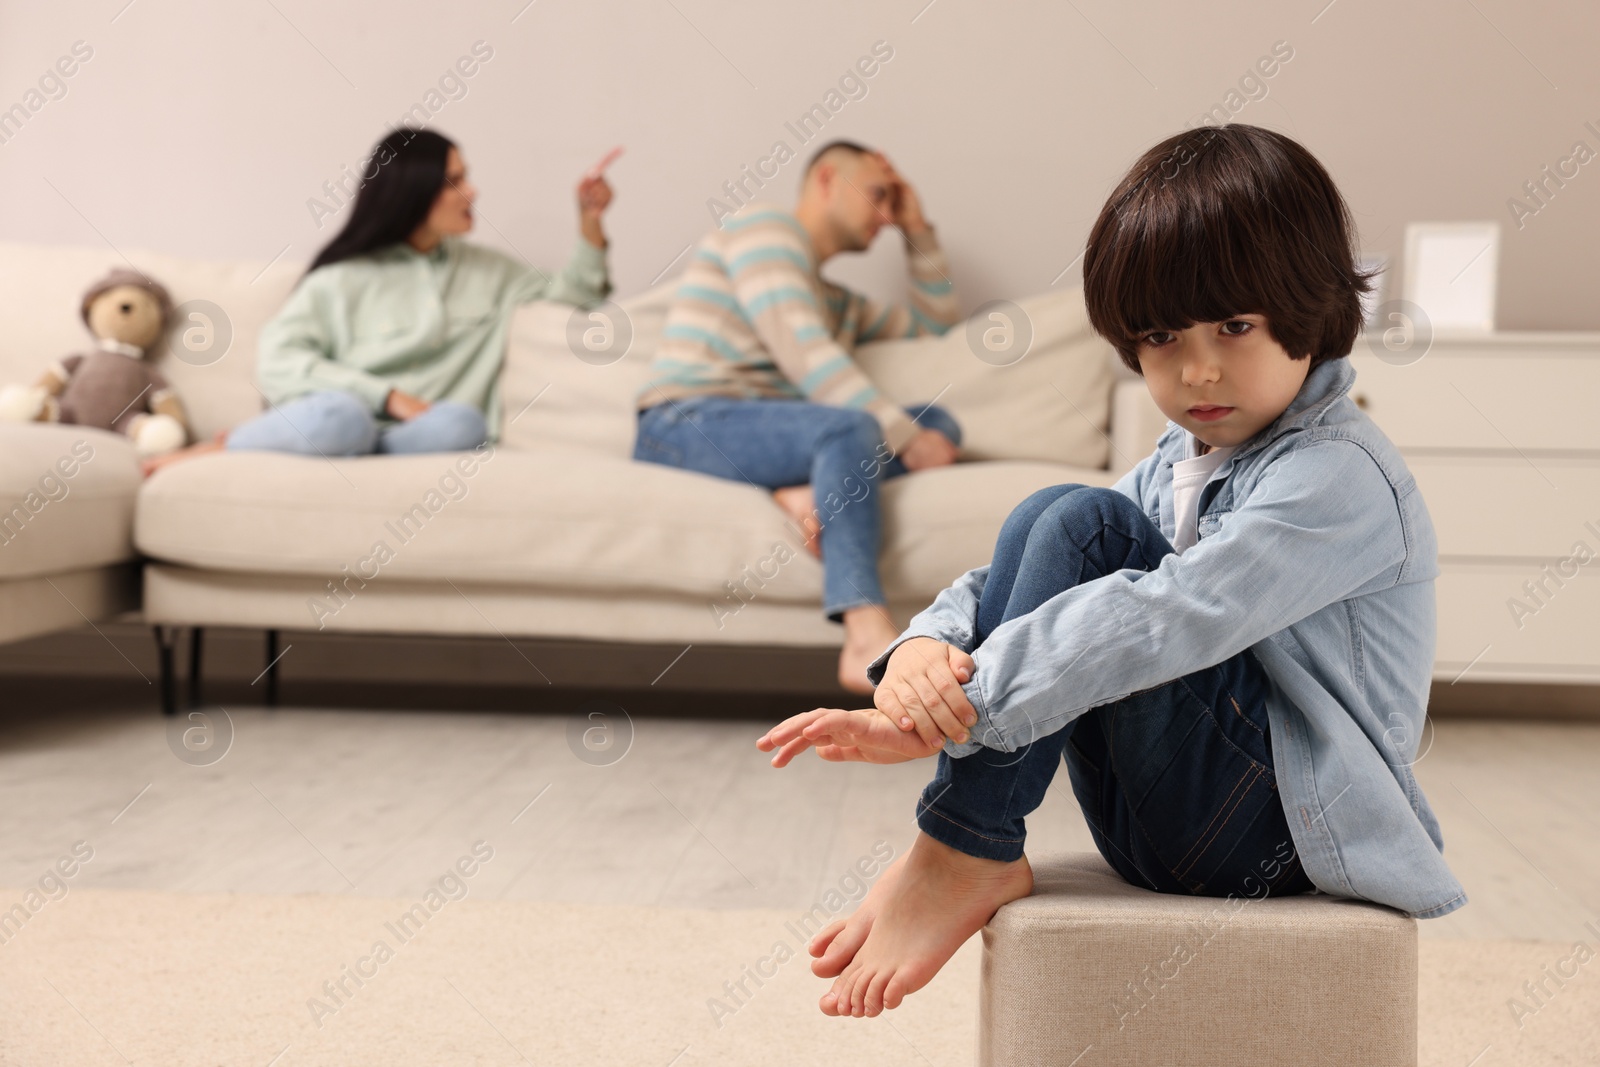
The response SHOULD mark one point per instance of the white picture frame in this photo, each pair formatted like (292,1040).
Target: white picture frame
(1451,271)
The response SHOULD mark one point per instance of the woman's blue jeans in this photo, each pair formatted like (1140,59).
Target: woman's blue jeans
(776,442)
(331,422)
(1175,782)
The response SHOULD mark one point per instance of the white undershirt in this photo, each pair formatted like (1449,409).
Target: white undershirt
(1189,475)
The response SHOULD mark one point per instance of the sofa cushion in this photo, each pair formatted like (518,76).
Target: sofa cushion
(559,518)
(551,396)
(1052,404)
(224,306)
(66,498)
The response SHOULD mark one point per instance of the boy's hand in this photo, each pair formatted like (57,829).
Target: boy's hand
(839,735)
(921,690)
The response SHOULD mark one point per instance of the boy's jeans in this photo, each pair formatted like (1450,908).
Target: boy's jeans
(335,423)
(1176,782)
(778,442)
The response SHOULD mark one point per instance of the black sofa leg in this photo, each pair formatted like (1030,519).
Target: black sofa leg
(169,683)
(195,647)
(271,691)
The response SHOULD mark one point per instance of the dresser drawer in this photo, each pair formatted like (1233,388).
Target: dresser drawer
(1481,638)
(1483,401)
(1507,507)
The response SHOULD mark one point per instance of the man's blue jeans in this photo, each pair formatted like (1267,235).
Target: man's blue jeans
(335,423)
(777,442)
(1175,782)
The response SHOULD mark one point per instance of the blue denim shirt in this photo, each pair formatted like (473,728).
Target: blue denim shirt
(1317,554)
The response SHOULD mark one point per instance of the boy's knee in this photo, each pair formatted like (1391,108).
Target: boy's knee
(1100,503)
(1021,521)
(1051,493)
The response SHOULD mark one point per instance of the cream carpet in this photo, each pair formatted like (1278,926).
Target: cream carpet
(117,976)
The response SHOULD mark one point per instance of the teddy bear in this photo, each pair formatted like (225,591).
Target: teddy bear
(111,387)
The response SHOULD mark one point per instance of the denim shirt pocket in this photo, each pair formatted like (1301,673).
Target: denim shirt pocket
(1210,522)
(1218,506)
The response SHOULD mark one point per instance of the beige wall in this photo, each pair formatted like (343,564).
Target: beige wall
(203,128)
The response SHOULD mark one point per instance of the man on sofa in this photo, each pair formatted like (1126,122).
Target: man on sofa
(754,379)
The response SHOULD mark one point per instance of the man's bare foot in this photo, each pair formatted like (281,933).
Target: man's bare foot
(800,504)
(937,900)
(838,942)
(868,630)
(150,464)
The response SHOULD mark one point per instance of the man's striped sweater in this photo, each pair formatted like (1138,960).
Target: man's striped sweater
(752,318)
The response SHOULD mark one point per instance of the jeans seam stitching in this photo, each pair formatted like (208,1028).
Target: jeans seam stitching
(1138,824)
(1241,713)
(1206,836)
(1214,837)
(1283,876)
(1211,712)
(929,810)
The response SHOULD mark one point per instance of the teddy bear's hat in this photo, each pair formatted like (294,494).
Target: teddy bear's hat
(123,276)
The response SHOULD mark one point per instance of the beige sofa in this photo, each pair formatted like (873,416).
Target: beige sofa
(66,531)
(558,532)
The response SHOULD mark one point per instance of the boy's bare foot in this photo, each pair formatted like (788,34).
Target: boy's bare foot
(150,464)
(868,630)
(936,901)
(800,504)
(837,943)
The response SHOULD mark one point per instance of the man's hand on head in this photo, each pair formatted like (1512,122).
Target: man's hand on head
(905,207)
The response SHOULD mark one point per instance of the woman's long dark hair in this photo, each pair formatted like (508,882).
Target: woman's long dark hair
(399,183)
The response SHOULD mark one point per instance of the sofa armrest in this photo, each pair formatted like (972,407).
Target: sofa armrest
(1136,423)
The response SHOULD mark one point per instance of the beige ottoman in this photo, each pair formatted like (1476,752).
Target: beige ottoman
(1091,971)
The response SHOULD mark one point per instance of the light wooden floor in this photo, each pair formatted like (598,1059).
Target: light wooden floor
(381,803)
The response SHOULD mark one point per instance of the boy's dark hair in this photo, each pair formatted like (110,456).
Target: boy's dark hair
(851,147)
(1222,221)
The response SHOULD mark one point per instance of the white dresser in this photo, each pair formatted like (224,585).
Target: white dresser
(1503,434)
